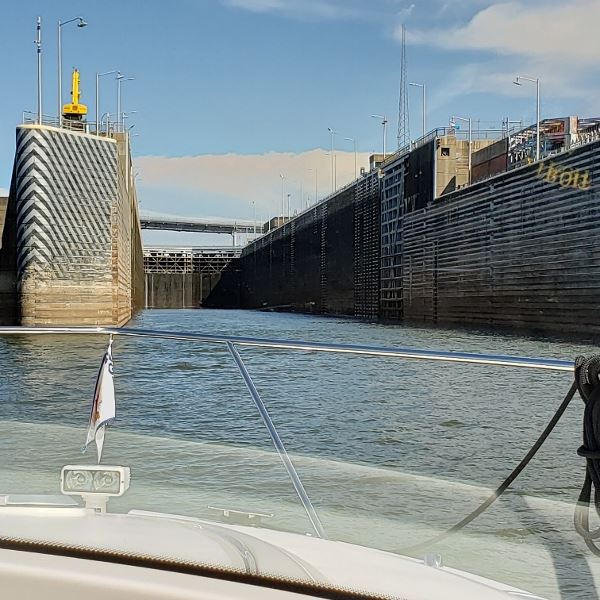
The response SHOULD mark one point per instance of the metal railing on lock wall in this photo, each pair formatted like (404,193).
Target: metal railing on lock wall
(107,128)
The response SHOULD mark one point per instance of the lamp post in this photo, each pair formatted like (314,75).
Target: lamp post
(535,80)
(423,104)
(98,75)
(349,139)
(38,44)
(467,120)
(384,123)
(333,163)
(282,195)
(120,78)
(126,115)
(80,23)
(316,183)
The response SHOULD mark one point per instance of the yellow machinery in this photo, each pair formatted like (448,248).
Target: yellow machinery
(74,111)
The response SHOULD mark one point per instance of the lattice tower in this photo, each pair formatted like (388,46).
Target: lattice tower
(403,119)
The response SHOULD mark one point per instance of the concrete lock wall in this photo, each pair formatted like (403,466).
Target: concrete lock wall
(73,218)
(520,249)
(8,263)
(326,260)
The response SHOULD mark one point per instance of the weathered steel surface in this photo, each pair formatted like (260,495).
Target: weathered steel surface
(521,249)
(326,260)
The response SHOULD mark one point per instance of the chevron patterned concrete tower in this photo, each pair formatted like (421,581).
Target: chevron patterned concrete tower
(78,243)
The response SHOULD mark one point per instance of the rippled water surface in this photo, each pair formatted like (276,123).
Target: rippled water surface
(391,451)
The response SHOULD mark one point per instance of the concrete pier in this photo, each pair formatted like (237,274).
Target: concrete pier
(71,251)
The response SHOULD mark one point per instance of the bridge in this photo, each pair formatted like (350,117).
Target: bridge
(202,225)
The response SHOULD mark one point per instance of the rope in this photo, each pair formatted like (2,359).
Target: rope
(587,373)
(513,475)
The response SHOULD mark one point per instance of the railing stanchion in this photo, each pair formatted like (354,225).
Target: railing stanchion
(283,455)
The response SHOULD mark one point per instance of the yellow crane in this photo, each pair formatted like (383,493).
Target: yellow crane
(75,111)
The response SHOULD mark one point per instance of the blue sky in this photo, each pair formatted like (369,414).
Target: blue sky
(231,93)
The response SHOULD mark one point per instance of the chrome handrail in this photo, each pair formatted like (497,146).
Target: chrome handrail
(548,364)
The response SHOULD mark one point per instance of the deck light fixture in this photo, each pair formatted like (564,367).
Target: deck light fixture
(94,483)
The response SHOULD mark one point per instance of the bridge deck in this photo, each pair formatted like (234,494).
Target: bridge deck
(209,225)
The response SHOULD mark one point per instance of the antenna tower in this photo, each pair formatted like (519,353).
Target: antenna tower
(403,120)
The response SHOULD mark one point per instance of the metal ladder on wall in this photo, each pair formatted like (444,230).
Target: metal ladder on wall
(293,258)
(323,265)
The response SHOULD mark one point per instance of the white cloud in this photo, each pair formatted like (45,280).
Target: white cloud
(257,5)
(3,192)
(554,41)
(563,33)
(326,9)
(405,11)
(227,185)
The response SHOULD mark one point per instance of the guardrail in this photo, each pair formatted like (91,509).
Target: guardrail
(106,126)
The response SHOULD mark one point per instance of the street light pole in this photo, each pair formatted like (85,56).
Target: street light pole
(38,43)
(333,164)
(535,80)
(98,75)
(282,195)
(467,120)
(316,183)
(423,104)
(81,23)
(120,79)
(384,123)
(349,139)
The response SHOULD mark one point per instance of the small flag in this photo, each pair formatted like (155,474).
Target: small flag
(103,405)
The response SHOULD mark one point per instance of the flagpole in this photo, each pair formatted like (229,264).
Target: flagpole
(103,409)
